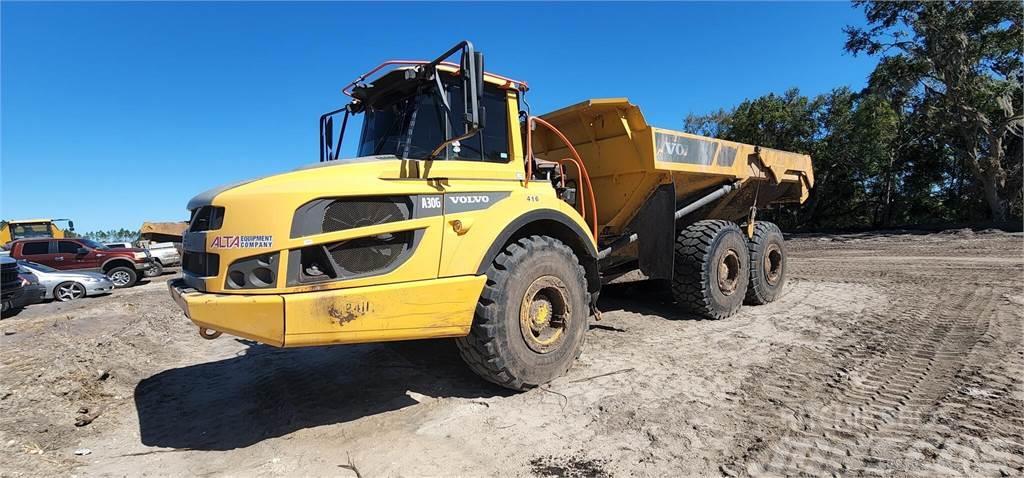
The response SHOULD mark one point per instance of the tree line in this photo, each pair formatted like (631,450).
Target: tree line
(112,235)
(935,137)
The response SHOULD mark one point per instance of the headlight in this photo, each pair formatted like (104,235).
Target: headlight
(140,255)
(91,279)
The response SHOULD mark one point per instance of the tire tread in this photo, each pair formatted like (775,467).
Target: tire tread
(479,348)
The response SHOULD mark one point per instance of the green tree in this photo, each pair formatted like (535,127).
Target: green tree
(956,67)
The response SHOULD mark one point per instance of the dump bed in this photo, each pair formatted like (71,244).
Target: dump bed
(627,159)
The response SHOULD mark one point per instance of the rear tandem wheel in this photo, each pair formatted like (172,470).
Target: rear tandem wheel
(712,268)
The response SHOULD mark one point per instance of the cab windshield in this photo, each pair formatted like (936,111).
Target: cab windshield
(412,127)
(30,230)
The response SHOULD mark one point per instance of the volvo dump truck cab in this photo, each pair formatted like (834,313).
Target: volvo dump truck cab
(463,216)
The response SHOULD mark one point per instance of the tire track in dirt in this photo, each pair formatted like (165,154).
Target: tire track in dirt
(890,385)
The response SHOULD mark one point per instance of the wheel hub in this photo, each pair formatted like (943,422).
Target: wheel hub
(772,264)
(544,314)
(119,278)
(729,272)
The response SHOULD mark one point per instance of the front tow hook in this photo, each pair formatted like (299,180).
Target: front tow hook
(209,334)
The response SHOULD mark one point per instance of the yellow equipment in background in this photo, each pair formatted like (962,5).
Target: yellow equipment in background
(459,219)
(25,228)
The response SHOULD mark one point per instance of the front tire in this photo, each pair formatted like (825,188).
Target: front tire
(712,265)
(155,271)
(67,291)
(767,264)
(531,319)
(123,276)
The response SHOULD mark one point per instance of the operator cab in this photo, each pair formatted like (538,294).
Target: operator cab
(410,118)
(426,111)
(442,111)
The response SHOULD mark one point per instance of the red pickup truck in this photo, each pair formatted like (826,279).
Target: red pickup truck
(124,266)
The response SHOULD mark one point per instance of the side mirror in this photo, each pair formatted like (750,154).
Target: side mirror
(82,251)
(471,66)
(329,150)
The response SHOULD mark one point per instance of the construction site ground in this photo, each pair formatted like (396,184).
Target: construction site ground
(890,354)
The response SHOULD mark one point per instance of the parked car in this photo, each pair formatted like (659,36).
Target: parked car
(68,285)
(165,254)
(123,266)
(32,290)
(11,286)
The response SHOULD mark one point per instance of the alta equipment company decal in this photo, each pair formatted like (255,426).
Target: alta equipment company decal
(242,242)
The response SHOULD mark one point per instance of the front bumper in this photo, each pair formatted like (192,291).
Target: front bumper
(144,266)
(410,310)
(31,294)
(98,288)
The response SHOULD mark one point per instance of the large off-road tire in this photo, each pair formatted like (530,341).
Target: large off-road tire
(712,267)
(123,276)
(531,320)
(767,264)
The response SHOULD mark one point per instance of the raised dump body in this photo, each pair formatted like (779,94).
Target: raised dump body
(628,159)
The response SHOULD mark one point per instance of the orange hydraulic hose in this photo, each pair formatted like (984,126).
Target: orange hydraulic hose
(575,159)
(583,204)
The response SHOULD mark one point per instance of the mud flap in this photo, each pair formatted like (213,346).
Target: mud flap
(656,226)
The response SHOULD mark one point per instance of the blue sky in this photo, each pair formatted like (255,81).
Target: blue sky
(113,114)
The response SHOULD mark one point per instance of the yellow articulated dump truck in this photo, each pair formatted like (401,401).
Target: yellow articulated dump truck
(27,228)
(463,216)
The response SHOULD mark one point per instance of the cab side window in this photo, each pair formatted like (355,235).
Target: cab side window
(67,247)
(35,248)
(491,143)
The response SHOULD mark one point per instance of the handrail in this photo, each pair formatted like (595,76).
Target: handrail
(347,90)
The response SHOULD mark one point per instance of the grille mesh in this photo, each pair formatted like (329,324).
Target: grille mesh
(350,214)
(370,254)
(9,273)
(201,264)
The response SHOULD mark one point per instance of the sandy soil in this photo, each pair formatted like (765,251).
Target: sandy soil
(890,354)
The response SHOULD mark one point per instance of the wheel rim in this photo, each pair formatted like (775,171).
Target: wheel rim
(120,278)
(544,314)
(729,272)
(66,292)
(772,264)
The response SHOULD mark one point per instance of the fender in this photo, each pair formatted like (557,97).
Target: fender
(533,216)
(118,258)
(579,242)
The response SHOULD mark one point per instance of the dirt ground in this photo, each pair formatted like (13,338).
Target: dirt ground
(889,354)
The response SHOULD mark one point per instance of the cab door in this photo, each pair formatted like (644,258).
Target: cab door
(480,183)
(40,252)
(78,256)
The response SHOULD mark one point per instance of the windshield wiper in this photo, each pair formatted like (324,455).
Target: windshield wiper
(399,119)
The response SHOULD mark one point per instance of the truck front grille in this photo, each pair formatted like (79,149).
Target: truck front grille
(370,254)
(201,264)
(349,259)
(330,215)
(9,273)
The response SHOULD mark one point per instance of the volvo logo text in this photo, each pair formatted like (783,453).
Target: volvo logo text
(469,199)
